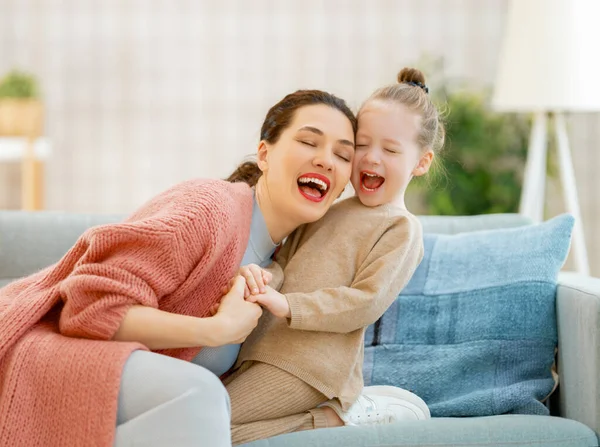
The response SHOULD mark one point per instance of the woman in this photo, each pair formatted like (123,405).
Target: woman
(74,336)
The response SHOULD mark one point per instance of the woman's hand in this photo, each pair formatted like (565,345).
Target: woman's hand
(274,301)
(234,317)
(232,322)
(256,279)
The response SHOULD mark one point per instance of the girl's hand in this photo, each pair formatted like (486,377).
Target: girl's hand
(256,279)
(274,301)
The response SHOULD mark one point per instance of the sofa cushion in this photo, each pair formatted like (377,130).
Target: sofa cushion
(497,431)
(31,241)
(462,224)
(474,331)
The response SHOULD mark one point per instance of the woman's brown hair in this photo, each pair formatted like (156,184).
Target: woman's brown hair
(278,119)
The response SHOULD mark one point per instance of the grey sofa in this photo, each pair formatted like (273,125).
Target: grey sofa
(31,241)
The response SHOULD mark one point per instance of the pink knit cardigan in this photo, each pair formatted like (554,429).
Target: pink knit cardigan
(59,373)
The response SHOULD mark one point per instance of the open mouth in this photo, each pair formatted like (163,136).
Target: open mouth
(313,186)
(370,182)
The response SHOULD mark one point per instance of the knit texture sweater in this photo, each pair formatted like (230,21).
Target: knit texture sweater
(340,275)
(59,373)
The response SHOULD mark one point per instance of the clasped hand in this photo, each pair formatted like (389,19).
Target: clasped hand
(257,291)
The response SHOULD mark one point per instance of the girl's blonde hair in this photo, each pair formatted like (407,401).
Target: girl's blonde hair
(412,91)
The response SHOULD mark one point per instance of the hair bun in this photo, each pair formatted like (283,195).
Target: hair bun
(414,77)
(411,75)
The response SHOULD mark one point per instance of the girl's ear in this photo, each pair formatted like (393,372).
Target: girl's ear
(424,163)
(261,156)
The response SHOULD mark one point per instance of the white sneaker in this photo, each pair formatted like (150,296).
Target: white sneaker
(378,405)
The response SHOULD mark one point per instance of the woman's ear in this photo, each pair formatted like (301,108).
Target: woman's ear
(261,156)
(424,163)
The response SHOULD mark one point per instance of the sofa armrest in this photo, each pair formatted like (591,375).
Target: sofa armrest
(578,314)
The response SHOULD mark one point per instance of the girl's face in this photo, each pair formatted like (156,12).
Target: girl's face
(309,165)
(387,153)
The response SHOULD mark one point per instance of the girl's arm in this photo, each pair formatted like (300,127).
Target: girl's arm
(383,274)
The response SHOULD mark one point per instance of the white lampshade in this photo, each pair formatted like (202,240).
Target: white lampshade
(550,58)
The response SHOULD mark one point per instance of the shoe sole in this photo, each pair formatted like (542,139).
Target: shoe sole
(386,390)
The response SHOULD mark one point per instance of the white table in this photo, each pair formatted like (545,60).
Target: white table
(31,158)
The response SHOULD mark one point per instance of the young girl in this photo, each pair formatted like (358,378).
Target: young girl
(302,367)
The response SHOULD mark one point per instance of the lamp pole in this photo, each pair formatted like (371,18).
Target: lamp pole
(547,67)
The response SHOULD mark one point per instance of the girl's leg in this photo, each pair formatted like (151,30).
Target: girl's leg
(166,401)
(267,401)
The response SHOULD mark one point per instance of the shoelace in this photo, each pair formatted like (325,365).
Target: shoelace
(371,415)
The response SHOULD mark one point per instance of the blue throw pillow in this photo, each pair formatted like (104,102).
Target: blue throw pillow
(474,331)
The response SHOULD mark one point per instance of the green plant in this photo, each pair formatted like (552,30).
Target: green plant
(17,84)
(483,159)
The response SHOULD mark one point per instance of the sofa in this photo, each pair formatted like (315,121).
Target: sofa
(30,241)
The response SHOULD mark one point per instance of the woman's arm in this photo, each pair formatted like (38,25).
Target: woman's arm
(115,268)
(120,266)
(158,329)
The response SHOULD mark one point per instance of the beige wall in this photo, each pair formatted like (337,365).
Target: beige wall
(142,94)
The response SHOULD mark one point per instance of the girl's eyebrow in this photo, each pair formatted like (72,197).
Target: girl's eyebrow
(392,141)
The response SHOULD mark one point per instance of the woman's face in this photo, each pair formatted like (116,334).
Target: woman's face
(387,153)
(309,165)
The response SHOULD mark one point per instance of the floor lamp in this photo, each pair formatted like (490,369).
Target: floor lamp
(548,66)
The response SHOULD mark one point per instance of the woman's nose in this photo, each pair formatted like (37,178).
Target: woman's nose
(324,159)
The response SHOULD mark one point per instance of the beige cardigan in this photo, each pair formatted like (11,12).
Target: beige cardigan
(341,274)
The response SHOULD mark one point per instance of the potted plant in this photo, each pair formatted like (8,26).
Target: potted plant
(21,115)
(20,106)
(481,166)
(482,163)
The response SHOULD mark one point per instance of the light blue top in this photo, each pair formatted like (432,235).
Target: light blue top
(259,251)
(260,247)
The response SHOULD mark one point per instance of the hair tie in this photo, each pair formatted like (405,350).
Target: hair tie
(418,84)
